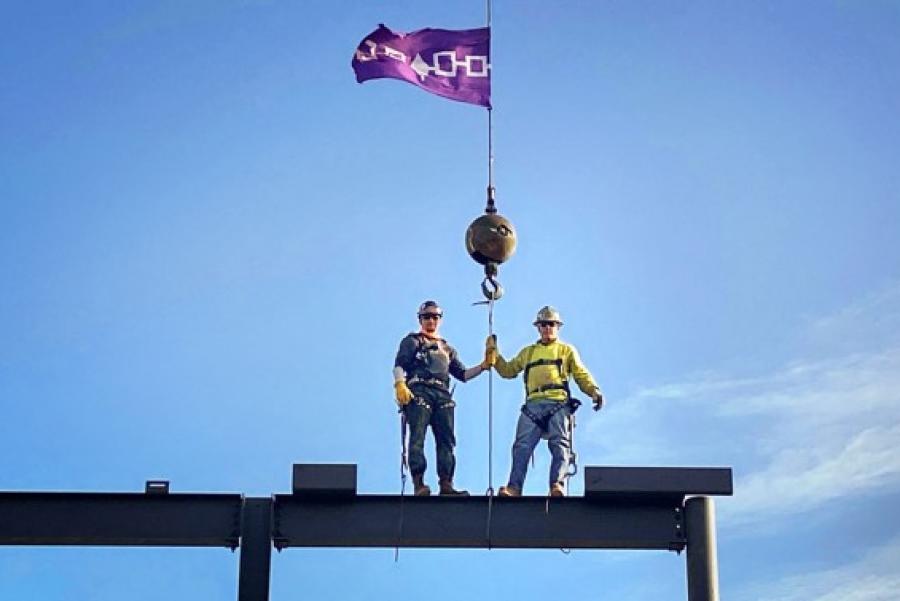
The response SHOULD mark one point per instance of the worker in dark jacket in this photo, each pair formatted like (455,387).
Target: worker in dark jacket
(422,373)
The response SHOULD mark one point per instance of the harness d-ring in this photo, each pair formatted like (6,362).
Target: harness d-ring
(572,468)
(491,288)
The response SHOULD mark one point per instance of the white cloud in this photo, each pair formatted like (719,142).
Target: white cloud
(871,322)
(799,479)
(873,577)
(807,434)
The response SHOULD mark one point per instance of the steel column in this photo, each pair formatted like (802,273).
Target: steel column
(702,565)
(256,550)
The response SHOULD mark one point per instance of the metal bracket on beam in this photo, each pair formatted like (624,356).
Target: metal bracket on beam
(156,487)
(636,483)
(324,480)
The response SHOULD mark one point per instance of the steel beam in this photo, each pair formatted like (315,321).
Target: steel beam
(624,508)
(474,522)
(133,519)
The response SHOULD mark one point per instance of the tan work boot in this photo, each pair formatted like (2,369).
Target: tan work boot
(448,490)
(509,491)
(557,490)
(420,489)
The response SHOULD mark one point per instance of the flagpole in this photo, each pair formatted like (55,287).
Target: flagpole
(490,209)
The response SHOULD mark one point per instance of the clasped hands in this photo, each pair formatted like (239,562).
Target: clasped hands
(490,352)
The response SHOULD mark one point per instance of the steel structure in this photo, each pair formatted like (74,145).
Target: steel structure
(623,508)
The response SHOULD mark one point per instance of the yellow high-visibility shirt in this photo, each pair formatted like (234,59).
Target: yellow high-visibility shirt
(544,375)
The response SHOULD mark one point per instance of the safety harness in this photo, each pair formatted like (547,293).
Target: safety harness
(543,422)
(423,375)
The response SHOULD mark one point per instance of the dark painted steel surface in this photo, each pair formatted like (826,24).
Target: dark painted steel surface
(172,520)
(702,565)
(256,550)
(575,523)
(605,481)
(625,508)
(324,479)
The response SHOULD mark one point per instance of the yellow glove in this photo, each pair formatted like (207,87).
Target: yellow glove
(490,352)
(490,343)
(402,393)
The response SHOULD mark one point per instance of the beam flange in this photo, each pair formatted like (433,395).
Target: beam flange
(128,519)
(476,522)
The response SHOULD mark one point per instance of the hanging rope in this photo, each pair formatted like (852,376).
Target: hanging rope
(490,488)
(404,466)
(492,293)
(491,404)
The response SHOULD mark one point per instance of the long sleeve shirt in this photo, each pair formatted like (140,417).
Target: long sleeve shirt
(551,365)
(420,356)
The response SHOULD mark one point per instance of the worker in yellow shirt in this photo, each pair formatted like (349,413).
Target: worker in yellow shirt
(548,407)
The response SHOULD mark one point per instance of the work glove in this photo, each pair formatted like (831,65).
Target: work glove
(597,397)
(402,393)
(490,352)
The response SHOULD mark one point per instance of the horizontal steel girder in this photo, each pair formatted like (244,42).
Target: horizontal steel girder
(132,519)
(463,522)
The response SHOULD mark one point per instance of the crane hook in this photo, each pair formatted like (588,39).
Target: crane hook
(491,288)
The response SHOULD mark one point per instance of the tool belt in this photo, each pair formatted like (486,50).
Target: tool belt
(444,404)
(427,382)
(422,401)
(543,422)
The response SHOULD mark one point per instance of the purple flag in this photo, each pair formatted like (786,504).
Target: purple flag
(453,64)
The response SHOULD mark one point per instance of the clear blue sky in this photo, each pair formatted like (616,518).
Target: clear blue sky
(212,240)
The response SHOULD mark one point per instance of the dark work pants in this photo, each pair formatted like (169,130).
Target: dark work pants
(431,407)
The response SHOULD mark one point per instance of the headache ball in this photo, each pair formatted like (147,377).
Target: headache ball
(491,239)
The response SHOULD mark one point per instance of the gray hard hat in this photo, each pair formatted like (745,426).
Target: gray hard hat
(548,313)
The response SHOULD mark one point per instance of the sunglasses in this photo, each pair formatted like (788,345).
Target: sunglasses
(546,324)
(430,316)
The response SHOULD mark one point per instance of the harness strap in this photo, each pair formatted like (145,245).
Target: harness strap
(547,387)
(424,346)
(542,422)
(404,466)
(558,362)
